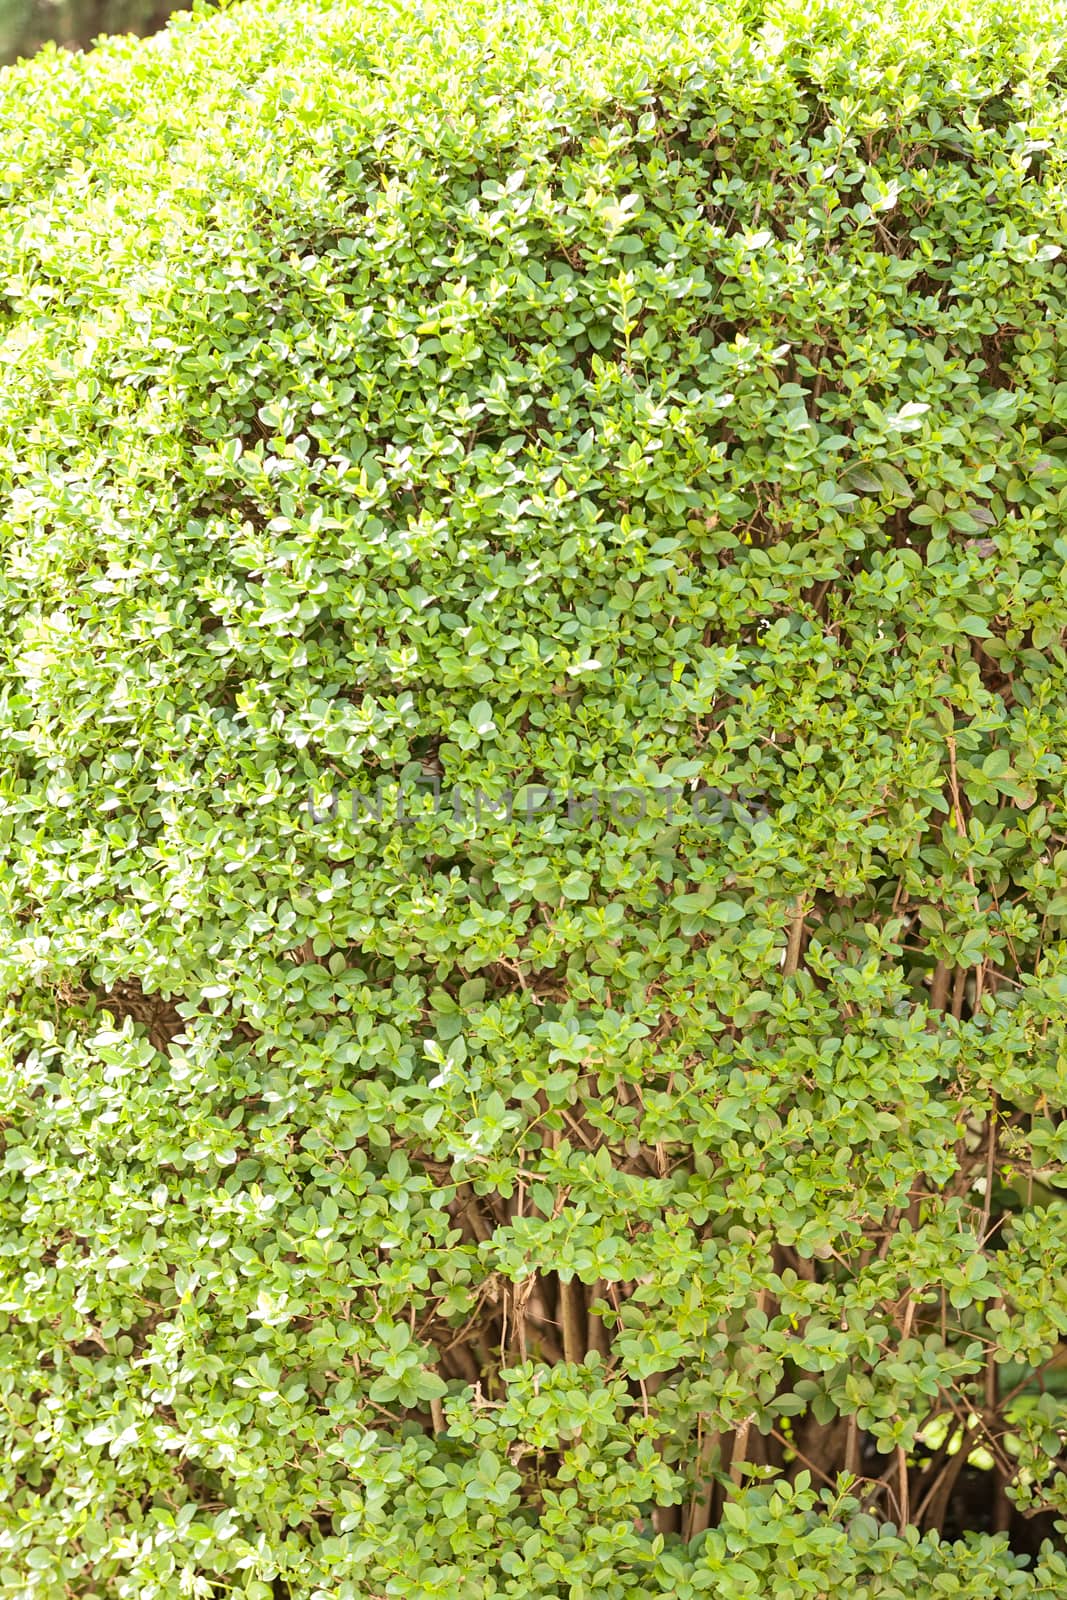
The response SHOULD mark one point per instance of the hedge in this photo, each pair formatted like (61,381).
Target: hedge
(533,934)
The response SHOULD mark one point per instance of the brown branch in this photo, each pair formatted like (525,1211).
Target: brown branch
(737,1454)
(959,989)
(934,1504)
(902,1476)
(990,1165)
(596,1333)
(795,942)
(471,1213)
(572,1320)
(702,1502)
(792,1449)
(852,1446)
(939,987)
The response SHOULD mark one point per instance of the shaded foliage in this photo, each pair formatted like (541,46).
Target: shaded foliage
(561,1202)
(26,25)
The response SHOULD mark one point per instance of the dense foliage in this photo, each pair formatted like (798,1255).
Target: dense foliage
(590,1197)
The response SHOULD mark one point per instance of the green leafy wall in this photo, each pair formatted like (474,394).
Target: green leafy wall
(633,396)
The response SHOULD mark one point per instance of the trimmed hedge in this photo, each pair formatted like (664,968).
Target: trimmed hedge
(651,1189)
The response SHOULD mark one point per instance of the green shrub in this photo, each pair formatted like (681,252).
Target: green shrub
(659,1197)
